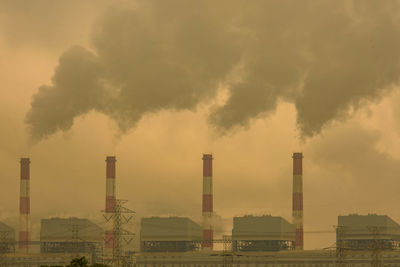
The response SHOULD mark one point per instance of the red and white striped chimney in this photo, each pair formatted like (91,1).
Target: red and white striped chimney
(109,235)
(298,199)
(24,207)
(207,203)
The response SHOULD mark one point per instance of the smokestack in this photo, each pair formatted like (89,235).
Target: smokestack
(24,207)
(109,238)
(207,203)
(298,199)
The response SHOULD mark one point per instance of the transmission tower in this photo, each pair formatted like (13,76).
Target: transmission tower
(227,252)
(340,247)
(75,238)
(227,240)
(376,248)
(121,216)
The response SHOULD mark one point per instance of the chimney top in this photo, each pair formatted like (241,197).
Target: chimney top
(298,155)
(207,156)
(111,159)
(25,161)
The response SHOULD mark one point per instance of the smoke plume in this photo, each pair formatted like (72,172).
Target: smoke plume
(326,57)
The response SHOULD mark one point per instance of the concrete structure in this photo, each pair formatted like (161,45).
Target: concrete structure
(24,207)
(208,210)
(171,234)
(262,233)
(70,235)
(298,199)
(361,232)
(7,238)
(309,258)
(258,241)
(35,259)
(109,235)
(369,240)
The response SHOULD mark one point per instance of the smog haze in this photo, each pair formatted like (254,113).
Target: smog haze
(158,83)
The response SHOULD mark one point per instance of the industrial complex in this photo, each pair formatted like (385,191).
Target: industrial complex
(255,241)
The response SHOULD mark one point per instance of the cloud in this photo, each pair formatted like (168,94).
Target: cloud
(348,168)
(325,57)
(76,91)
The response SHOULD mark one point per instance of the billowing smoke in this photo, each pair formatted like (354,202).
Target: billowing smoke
(326,57)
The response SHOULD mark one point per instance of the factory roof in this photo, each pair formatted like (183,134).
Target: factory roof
(169,229)
(7,231)
(369,226)
(5,228)
(70,229)
(265,227)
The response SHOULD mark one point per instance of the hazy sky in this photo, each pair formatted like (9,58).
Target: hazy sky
(157,83)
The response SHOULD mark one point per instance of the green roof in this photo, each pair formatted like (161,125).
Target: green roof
(170,229)
(265,227)
(7,231)
(68,229)
(356,226)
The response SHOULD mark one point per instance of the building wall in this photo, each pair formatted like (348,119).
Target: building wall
(169,234)
(7,238)
(279,259)
(25,260)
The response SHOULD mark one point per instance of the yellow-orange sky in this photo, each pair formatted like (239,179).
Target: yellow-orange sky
(351,166)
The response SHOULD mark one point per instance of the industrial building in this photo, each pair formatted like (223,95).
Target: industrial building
(305,258)
(256,241)
(71,235)
(360,245)
(171,234)
(40,259)
(7,238)
(262,233)
(361,232)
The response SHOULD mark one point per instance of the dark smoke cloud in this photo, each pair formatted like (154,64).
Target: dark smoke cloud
(76,91)
(326,57)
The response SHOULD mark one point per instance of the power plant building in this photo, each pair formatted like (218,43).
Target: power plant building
(361,240)
(293,258)
(368,232)
(262,233)
(7,237)
(70,235)
(170,234)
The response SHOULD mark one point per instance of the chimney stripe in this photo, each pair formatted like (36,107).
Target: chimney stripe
(207,185)
(110,187)
(207,203)
(109,239)
(110,170)
(207,206)
(24,206)
(299,237)
(298,199)
(208,237)
(24,188)
(23,237)
(109,235)
(110,204)
(297,184)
